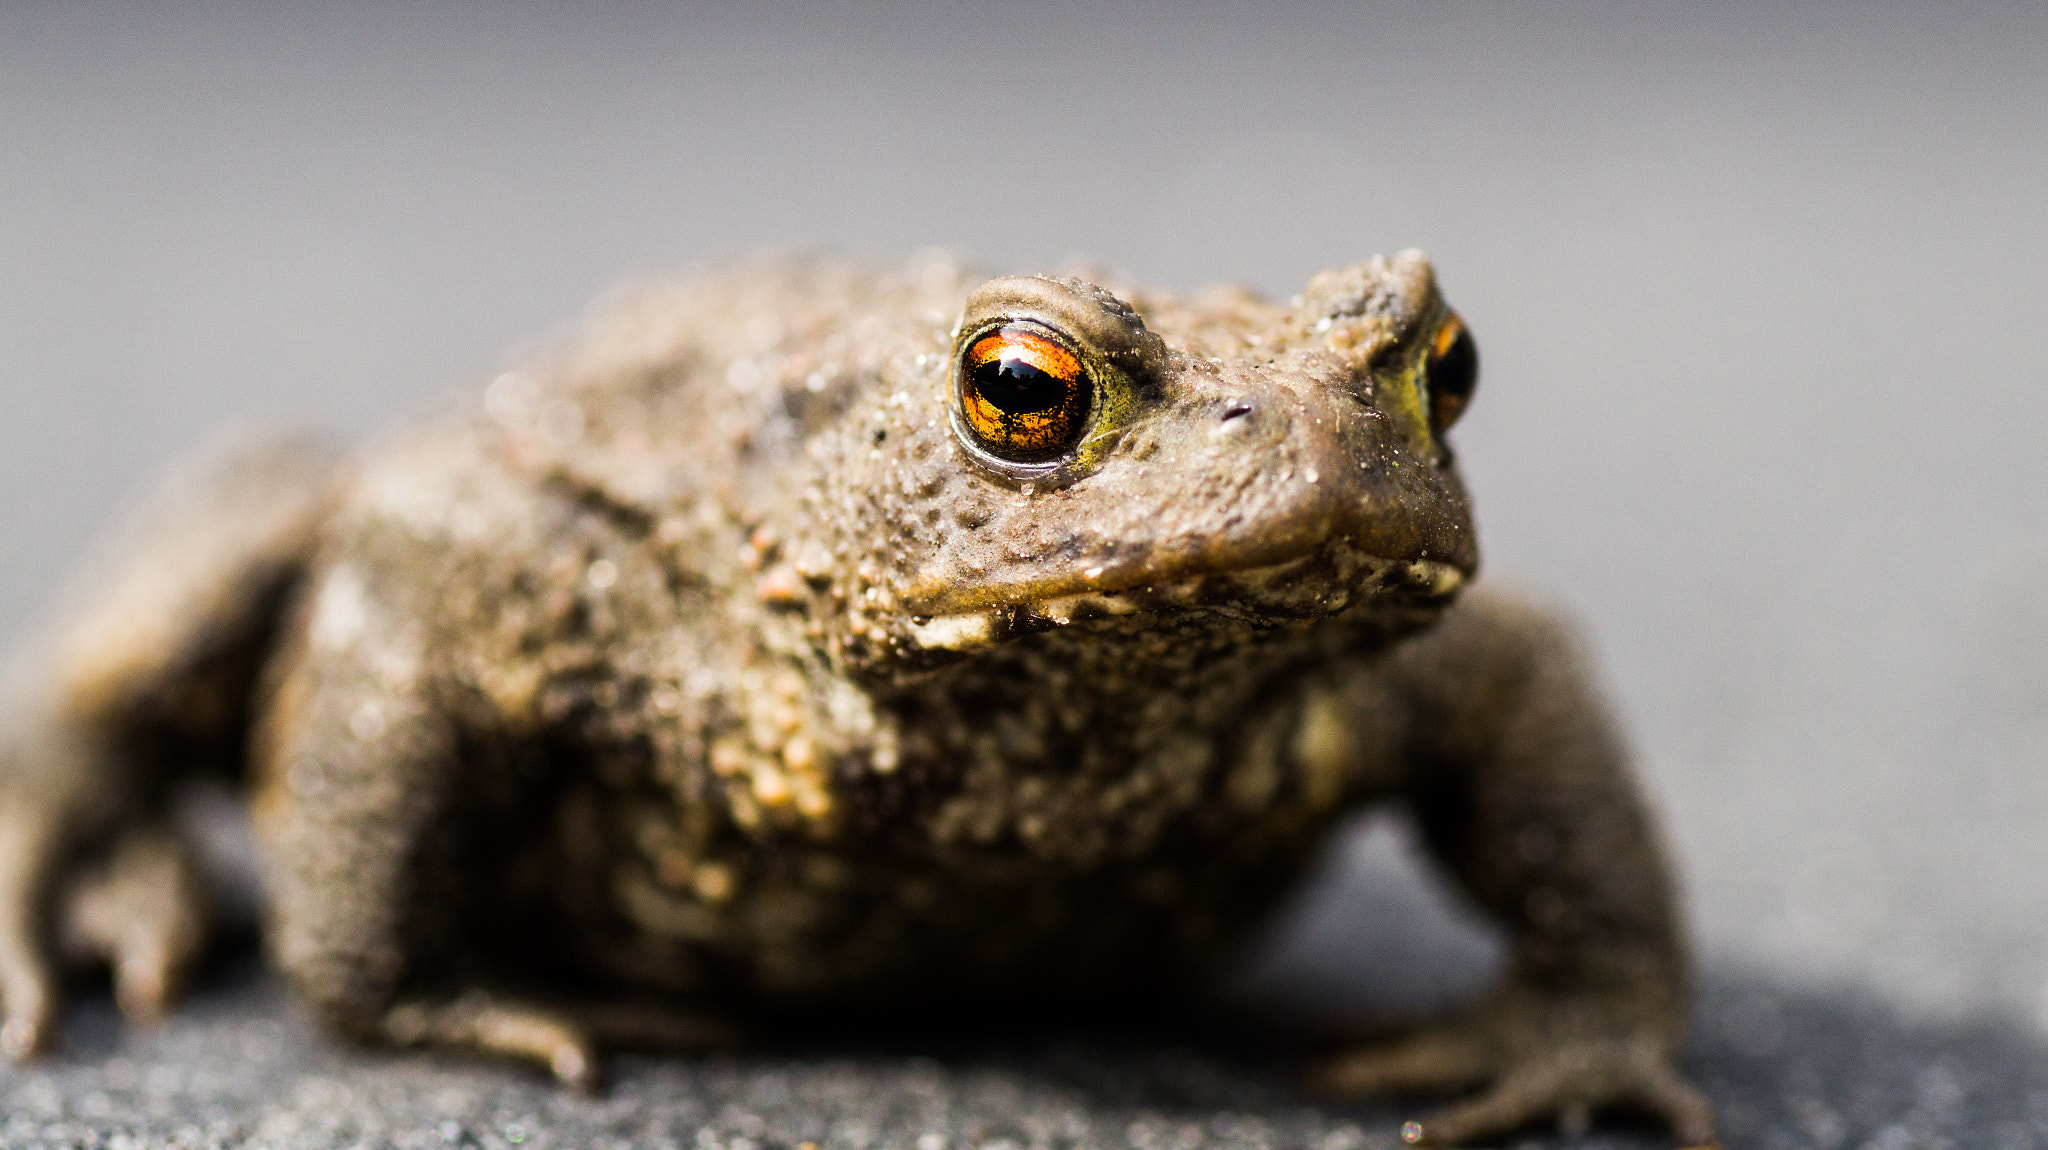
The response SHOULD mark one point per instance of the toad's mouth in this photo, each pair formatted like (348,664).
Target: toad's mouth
(1324,583)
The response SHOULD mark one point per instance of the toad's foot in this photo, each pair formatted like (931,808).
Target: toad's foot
(567,1039)
(140,908)
(1542,1058)
(144,912)
(29,844)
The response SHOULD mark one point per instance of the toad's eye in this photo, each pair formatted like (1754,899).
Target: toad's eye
(1452,373)
(1023,394)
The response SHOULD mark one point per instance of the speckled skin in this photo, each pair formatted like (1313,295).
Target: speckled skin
(704,659)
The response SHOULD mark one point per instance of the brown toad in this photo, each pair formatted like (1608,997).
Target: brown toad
(793,634)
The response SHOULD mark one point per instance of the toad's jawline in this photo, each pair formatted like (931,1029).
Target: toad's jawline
(1417,582)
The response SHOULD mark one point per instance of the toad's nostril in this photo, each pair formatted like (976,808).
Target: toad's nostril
(1235,410)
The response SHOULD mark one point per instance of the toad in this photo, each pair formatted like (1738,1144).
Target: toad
(801,634)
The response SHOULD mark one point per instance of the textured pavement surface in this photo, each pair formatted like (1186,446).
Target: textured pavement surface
(240,1067)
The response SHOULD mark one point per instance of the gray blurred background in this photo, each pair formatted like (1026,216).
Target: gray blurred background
(1760,296)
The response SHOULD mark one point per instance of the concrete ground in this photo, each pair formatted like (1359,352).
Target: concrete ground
(240,1068)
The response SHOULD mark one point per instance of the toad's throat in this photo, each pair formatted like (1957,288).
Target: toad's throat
(1322,584)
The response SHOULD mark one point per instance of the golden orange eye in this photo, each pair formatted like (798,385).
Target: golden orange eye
(1451,373)
(1023,394)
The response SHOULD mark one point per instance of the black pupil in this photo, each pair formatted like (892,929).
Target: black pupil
(1017,387)
(1453,374)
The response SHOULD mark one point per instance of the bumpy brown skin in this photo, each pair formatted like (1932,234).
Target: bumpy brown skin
(708,660)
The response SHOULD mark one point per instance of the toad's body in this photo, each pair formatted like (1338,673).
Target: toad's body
(791,634)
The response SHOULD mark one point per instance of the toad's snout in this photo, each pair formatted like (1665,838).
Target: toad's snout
(1277,489)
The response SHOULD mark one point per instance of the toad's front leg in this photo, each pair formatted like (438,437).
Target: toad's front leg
(385,819)
(1521,788)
